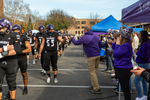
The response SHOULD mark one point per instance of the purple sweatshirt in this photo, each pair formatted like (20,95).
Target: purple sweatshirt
(113,45)
(143,55)
(91,44)
(122,55)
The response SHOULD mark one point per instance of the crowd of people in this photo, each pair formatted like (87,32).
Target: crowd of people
(126,52)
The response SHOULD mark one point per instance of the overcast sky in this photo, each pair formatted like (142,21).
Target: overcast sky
(82,8)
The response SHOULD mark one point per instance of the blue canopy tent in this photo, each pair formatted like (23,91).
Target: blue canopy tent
(110,23)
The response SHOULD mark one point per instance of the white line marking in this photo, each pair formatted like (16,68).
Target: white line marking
(59,86)
(67,69)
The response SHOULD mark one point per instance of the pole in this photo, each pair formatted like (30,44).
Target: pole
(119,95)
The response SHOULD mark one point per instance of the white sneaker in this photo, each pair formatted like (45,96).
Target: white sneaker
(113,74)
(33,61)
(144,97)
(48,80)
(42,71)
(55,80)
(138,98)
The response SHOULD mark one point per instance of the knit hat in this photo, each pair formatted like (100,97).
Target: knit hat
(126,32)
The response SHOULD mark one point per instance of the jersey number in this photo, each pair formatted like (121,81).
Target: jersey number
(40,40)
(48,43)
(30,40)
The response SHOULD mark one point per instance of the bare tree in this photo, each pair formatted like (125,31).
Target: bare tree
(95,17)
(37,19)
(15,9)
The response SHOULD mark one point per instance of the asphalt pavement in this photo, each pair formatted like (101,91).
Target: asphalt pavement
(73,77)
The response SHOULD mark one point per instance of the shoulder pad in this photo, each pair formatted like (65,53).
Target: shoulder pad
(16,35)
(13,33)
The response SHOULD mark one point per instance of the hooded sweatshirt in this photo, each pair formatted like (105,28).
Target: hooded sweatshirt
(91,44)
(143,55)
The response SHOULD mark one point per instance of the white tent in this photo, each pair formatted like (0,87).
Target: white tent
(35,31)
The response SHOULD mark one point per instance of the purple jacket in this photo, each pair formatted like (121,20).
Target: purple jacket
(143,55)
(122,55)
(113,45)
(91,44)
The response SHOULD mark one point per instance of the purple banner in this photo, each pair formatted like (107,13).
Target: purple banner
(138,12)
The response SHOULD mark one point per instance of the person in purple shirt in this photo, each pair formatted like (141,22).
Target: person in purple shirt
(122,54)
(143,61)
(92,46)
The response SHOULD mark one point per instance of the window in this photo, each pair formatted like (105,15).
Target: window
(92,23)
(83,22)
(78,32)
(83,27)
(77,22)
(78,27)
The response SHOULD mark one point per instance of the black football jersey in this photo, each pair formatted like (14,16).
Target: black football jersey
(9,39)
(39,36)
(31,39)
(50,41)
(23,38)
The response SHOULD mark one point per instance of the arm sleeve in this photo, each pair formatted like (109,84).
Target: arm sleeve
(146,75)
(148,70)
(25,38)
(120,51)
(113,46)
(80,41)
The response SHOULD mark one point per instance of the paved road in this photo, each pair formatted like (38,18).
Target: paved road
(74,80)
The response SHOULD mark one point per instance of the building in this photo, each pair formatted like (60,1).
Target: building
(1,9)
(80,24)
(145,26)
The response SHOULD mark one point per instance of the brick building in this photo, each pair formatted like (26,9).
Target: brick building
(80,24)
(1,9)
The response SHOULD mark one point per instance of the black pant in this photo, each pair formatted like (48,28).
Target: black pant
(42,59)
(33,52)
(124,76)
(50,56)
(22,62)
(9,68)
